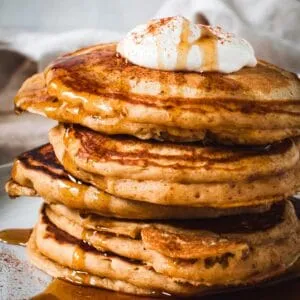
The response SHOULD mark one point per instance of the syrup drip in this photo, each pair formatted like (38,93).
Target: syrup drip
(60,289)
(15,236)
(78,260)
(207,43)
(183,47)
(72,192)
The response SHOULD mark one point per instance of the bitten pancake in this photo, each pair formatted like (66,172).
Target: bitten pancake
(178,174)
(96,88)
(38,172)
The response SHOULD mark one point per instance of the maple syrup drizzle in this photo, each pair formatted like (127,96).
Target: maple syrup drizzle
(60,289)
(207,42)
(183,46)
(86,235)
(72,290)
(15,236)
(68,189)
(78,259)
(72,192)
(73,189)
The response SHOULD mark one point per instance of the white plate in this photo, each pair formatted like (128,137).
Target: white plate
(18,279)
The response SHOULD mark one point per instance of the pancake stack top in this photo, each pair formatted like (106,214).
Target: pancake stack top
(170,169)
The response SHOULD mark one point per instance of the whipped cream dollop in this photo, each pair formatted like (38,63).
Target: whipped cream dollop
(176,44)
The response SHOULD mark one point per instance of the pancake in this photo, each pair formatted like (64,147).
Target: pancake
(178,174)
(100,90)
(186,256)
(72,253)
(83,278)
(38,172)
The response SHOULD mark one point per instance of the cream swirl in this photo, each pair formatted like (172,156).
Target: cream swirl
(176,44)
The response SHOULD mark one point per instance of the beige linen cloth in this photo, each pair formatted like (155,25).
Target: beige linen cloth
(271,26)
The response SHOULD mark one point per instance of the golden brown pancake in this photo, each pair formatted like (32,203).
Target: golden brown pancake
(177,257)
(38,172)
(96,88)
(178,174)
(74,254)
(82,278)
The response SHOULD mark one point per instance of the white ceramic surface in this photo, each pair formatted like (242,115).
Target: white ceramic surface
(18,279)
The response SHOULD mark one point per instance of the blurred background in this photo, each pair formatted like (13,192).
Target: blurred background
(34,32)
(63,15)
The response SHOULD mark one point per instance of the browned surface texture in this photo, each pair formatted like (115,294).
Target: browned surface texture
(33,174)
(191,162)
(98,68)
(178,174)
(185,242)
(100,90)
(270,252)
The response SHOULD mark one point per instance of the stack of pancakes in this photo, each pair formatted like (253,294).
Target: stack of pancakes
(159,182)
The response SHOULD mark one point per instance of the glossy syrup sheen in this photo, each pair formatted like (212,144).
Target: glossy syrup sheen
(15,236)
(60,289)
(207,42)
(100,145)
(113,73)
